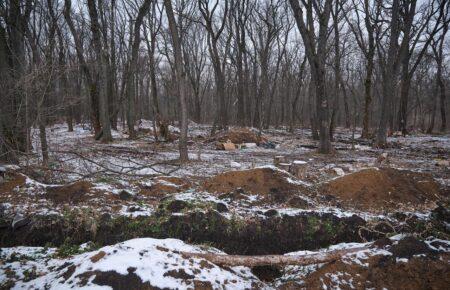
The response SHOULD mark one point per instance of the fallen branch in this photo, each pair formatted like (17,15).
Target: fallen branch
(273,260)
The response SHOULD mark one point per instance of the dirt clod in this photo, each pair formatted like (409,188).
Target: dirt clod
(97,257)
(179,274)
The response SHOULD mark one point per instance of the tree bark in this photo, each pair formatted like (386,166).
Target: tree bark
(273,260)
(315,48)
(180,81)
(93,89)
(389,77)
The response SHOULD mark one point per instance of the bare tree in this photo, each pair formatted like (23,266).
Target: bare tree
(180,80)
(315,48)
(217,60)
(366,42)
(437,47)
(389,66)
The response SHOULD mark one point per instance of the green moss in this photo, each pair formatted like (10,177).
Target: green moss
(67,249)
(29,274)
(236,224)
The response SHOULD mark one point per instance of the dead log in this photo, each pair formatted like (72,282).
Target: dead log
(273,260)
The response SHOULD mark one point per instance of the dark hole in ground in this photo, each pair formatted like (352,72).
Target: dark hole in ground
(267,273)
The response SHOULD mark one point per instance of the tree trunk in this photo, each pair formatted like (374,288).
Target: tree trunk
(442,103)
(368,94)
(389,77)
(43,139)
(93,89)
(315,49)
(433,117)
(404,91)
(180,81)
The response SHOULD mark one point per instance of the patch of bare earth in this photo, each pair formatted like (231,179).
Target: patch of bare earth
(12,180)
(165,185)
(411,265)
(384,188)
(74,192)
(239,136)
(261,181)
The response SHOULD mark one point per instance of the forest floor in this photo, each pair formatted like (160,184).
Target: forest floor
(121,214)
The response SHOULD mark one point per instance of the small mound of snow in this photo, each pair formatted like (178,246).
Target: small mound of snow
(143,262)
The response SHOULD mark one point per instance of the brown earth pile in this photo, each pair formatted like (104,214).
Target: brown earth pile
(239,136)
(74,192)
(264,181)
(429,271)
(165,185)
(383,188)
(11,181)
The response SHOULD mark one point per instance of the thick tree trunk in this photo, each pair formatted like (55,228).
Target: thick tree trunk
(404,92)
(315,49)
(368,95)
(389,78)
(323,113)
(180,81)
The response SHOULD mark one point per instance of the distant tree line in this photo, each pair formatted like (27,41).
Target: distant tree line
(376,64)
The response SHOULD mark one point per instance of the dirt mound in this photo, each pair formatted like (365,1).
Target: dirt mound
(11,181)
(239,136)
(383,273)
(383,188)
(74,192)
(428,271)
(135,264)
(264,181)
(164,185)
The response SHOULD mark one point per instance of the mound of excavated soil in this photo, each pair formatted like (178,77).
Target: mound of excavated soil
(74,192)
(428,271)
(239,136)
(382,188)
(263,181)
(11,181)
(165,185)
(146,263)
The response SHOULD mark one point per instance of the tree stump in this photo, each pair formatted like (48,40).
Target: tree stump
(299,169)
